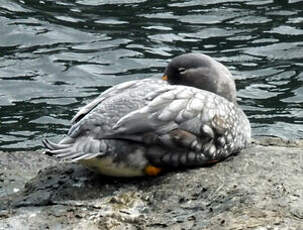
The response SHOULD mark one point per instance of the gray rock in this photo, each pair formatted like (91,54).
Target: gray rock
(260,188)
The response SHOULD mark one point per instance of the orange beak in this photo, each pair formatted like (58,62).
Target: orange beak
(164,77)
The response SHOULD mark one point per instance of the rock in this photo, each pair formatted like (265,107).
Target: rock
(260,188)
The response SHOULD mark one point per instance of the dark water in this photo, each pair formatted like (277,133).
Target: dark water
(58,55)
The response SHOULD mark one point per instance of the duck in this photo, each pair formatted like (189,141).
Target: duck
(189,118)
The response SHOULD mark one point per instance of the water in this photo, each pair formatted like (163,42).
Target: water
(56,56)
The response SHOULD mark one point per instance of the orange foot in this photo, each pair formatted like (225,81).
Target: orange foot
(152,171)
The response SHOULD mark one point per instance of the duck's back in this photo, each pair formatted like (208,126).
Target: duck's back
(103,113)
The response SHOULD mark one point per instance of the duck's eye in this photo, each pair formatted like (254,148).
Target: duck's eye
(182,70)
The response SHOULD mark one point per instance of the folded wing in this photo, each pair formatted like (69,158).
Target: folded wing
(180,117)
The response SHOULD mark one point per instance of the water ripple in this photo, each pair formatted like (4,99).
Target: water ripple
(58,55)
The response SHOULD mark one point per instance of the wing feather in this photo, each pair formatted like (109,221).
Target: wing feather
(106,94)
(169,113)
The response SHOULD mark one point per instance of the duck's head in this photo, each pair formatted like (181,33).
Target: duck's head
(203,72)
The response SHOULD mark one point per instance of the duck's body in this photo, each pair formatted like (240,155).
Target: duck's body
(139,127)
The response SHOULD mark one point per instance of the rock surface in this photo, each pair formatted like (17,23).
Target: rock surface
(260,188)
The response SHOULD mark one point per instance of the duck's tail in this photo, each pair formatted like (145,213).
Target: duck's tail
(72,150)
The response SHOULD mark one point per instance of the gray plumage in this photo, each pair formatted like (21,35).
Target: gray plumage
(151,122)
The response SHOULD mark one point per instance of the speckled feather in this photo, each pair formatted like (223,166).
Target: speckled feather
(200,113)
